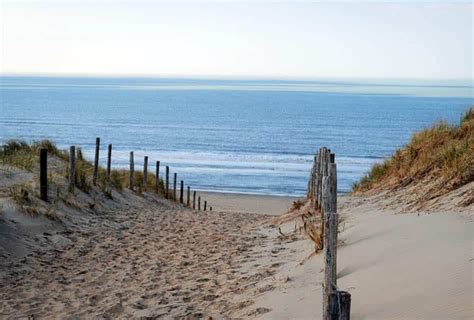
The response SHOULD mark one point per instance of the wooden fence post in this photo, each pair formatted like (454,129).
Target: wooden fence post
(44,174)
(174,185)
(205,205)
(109,161)
(131,178)
(96,161)
(145,173)
(194,200)
(329,210)
(157,177)
(188,202)
(339,306)
(167,177)
(210,208)
(199,203)
(181,192)
(72,168)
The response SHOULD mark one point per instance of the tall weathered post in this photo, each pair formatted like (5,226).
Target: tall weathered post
(181,191)
(199,203)
(109,161)
(205,205)
(145,173)
(72,168)
(174,185)
(194,200)
(329,208)
(167,177)
(96,161)
(44,174)
(157,177)
(188,202)
(131,178)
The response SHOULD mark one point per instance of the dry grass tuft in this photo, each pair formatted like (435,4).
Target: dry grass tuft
(443,153)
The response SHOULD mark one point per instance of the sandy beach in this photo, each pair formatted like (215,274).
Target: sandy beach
(143,256)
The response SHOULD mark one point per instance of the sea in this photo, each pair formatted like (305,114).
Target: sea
(256,136)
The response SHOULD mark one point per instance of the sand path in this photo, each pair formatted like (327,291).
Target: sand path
(148,261)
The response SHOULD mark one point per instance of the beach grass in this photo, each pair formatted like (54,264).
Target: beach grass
(443,153)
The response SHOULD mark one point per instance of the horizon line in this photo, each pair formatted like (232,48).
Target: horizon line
(215,76)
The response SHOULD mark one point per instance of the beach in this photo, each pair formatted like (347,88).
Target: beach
(143,256)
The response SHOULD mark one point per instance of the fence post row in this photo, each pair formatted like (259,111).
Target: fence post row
(131,182)
(96,161)
(44,174)
(145,173)
(322,192)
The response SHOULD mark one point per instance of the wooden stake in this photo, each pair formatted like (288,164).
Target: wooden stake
(181,192)
(205,205)
(339,306)
(194,200)
(145,173)
(174,185)
(72,168)
(157,177)
(109,161)
(44,174)
(131,178)
(188,202)
(167,177)
(199,203)
(96,161)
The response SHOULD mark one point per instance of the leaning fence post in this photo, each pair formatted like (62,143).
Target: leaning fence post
(174,185)
(167,177)
(109,161)
(72,168)
(145,172)
(44,174)
(181,191)
(96,161)
(194,200)
(131,177)
(188,202)
(157,177)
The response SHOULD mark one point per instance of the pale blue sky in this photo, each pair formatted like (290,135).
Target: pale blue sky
(246,39)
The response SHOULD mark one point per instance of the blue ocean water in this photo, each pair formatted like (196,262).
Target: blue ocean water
(249,136)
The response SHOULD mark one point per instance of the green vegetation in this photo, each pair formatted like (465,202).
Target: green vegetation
(443,154)
(19,153)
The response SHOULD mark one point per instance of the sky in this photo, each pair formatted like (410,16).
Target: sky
(353,39)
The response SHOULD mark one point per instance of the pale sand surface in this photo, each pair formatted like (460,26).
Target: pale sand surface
(396,266)
(235,202)
(146,257)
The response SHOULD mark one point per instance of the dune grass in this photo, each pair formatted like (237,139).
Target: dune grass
(443,153)
(18,153)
